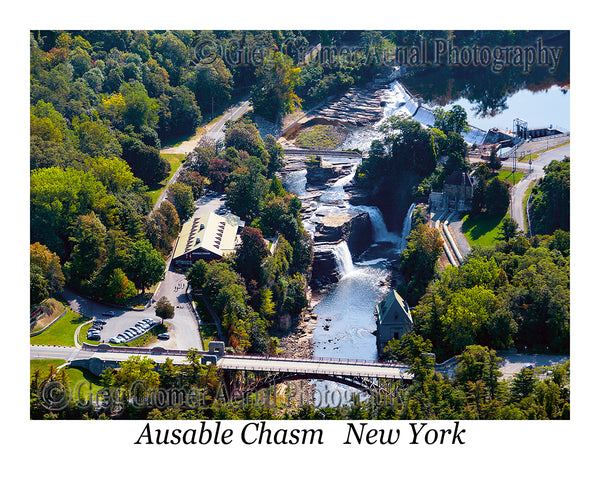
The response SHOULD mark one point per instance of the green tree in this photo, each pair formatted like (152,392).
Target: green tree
(550,204)
(497,197)
(244,136)
(196,276)
(523,384)
(274,93)
(114,173)
(89,250)
(164,309)
(246,190)
(494,161)
(453,120)
(146,267)
(419,259)
(508,229)
(145,161)
(139,109)
(57,197)
(251,253)
(137,376)
(478,363)
(182,198)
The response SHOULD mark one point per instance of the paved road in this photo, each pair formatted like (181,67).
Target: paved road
(184,330)
(330,367)
(216,132)
(235,112)
(515,362)
(512,363)
(537,166)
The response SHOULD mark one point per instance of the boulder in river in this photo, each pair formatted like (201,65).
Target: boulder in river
(353,227)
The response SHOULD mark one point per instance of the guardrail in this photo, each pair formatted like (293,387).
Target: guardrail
(41,330)
(322,371)
(324,153)
(341,361)
(105,347)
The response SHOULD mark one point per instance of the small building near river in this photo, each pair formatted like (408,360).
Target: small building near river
(393,319)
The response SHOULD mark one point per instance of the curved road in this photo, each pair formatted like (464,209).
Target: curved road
(518,191)
(216,132)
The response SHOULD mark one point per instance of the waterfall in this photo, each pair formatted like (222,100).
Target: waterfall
(406,226)
(380,231)
(335,194)
(343,258)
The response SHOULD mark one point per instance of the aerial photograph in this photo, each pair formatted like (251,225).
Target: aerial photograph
(295,225)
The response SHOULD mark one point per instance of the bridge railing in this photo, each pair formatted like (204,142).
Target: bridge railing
(345,361)
(323,371)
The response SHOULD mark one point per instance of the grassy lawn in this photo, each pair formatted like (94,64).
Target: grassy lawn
(208,333)
(321,136)
(507,175)
(482,230)
(175,160)
(52,308)
(62,331)
(80,381)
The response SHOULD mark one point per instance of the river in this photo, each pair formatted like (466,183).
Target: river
(346,322)
(345,316)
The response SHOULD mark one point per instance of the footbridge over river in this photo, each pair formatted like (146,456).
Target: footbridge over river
(322,153)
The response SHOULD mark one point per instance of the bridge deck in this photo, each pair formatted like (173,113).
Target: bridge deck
(329,367)
(323,153)
(341,367)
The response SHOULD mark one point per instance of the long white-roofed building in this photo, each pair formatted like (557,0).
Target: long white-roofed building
(207,237)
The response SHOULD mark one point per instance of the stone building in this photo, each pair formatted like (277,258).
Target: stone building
(393,319)
(456,195)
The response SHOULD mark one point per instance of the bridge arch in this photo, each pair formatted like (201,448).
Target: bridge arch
(363,384)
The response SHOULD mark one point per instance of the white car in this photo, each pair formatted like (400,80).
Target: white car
(115,340)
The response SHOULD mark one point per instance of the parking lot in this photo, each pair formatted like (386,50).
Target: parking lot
(183,328)
(103,329)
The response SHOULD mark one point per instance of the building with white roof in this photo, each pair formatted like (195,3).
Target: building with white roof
(207,237)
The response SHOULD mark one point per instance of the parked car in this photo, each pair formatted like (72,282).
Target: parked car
(115,340)
(94,336)
(150,321)
(163,336)
(100,320)
(121,337)
(110,313)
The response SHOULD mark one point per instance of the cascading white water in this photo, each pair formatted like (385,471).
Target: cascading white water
(406,226)
(343,258)
(335,194)
(380,231)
